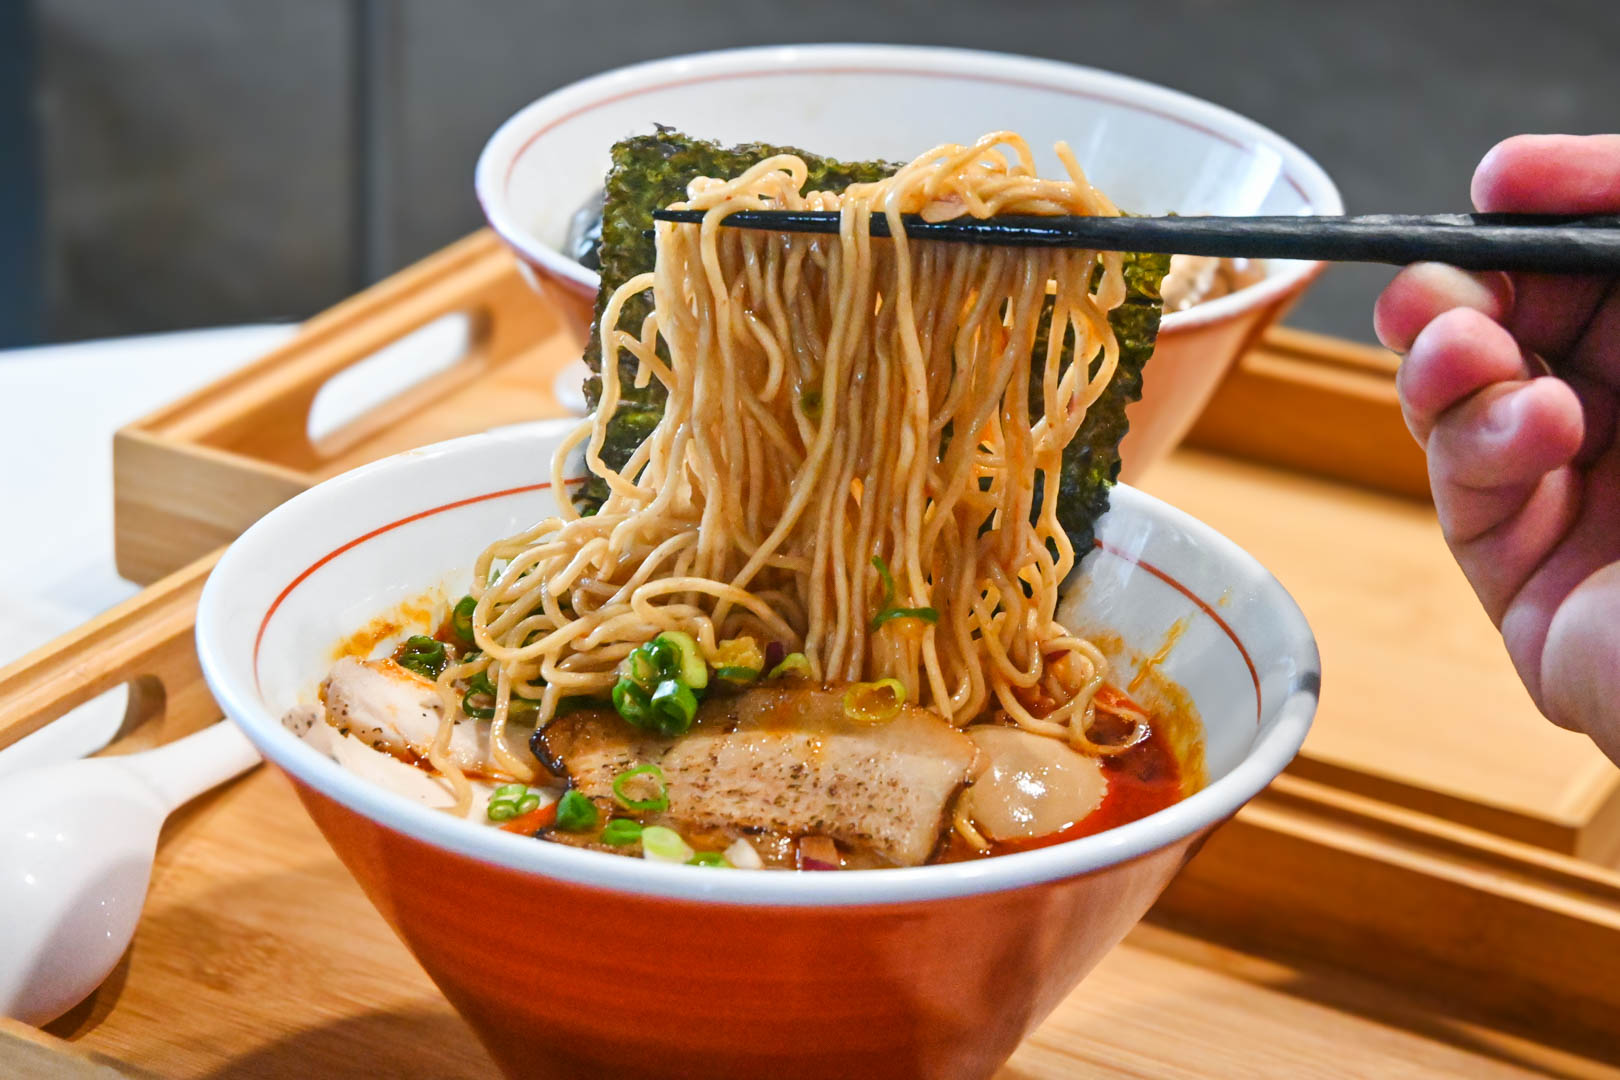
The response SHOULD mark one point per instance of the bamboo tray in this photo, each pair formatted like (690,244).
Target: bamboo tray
(1317,934)
(1310,468)
(1436,835)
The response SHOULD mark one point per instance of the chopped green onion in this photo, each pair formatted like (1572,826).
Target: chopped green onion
(888,611)
(708,858)
(665,655)
(810,403)
(423,655)
(575,813)
(874,702)
(480,686)
(477,712)
(630,701)
(674,706)
(926,614)
(737,676)
(664,845)
(658,802)
(512,800)
(794,663)
(461,618)
(689,665)
(640,669)
(620,831)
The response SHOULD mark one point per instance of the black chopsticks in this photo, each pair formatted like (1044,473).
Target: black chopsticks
(1533,242)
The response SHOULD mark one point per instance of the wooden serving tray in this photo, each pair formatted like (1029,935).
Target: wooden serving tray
(1318,933)
(1436,835)
(1421,708)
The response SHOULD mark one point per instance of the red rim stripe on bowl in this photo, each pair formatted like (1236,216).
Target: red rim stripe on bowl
(264,623)
(1198,602)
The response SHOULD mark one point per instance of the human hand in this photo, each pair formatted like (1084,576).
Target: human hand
(1511,383)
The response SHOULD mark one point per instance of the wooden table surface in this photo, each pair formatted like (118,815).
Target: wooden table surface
(1420,704)
(259,957)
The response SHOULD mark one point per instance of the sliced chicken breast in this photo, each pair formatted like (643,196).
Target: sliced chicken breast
(395,710)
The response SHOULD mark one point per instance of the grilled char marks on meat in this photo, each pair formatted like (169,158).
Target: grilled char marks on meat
(783,761)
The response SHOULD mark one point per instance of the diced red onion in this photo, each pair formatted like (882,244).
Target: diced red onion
(818,853)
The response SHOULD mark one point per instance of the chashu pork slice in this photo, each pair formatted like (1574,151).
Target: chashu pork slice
(783,760)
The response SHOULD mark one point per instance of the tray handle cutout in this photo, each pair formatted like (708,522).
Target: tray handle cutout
(467,309)
(144,642)
(347,407)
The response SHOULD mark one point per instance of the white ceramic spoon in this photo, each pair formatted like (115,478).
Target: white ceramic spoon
(76,847)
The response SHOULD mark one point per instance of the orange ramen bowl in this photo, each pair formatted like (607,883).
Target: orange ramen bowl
(572,963)
(1153,150)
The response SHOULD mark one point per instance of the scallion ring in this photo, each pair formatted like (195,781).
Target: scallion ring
(874,702)
(575,812)
(461,618)
(792,664)
(664,845)
(887,610)
(673,707)
(630,701)
(657,803)
(621,831)
(423,655)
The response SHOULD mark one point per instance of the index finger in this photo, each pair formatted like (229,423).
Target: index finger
(1551,174)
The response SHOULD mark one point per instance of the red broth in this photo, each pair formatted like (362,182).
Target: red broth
(1142,780)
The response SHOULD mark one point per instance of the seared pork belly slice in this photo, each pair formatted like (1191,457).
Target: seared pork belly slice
(395,710)
(784,761)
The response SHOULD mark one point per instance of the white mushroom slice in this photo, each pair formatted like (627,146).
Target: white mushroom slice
(1031,785)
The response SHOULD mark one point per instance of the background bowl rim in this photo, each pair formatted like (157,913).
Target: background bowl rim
(1271,752)
(509,141)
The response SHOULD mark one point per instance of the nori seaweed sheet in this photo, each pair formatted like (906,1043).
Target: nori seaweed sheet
(651,171)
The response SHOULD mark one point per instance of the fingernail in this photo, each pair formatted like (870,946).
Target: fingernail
(1489,292)
(1502,415)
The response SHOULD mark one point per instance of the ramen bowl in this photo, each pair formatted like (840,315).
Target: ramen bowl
(1152,150)
(568,962)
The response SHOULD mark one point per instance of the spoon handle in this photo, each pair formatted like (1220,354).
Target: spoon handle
(186,768)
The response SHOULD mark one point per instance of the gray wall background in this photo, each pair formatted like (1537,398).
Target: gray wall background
(197,154)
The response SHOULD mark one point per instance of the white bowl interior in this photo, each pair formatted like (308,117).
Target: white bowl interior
(1151,149)
(319,567)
